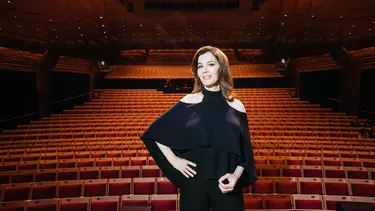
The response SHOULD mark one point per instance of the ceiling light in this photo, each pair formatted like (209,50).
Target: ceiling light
(101,17)
(9,2)
(81,35)
(103,25)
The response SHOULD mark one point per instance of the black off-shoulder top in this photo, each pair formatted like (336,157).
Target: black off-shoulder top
(211,134)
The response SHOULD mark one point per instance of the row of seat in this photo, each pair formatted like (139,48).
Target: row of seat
(136,133)
(121,168)
(70,172)
(161,186)
(102,149)
(184,71)
(118,126)
(279,130)
(127,149)
(171,202)
(96,203)
(304,148)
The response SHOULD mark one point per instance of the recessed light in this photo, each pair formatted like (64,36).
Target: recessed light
(101,17)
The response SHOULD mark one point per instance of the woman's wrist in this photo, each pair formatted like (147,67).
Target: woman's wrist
(238,172)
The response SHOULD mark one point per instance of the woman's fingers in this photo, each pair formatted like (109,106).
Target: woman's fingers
(191,163)
(191,170)
(189,173)
(187,176)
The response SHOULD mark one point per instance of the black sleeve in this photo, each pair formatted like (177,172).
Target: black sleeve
(165,130)
(248,176)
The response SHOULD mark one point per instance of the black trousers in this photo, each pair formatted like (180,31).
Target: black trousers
(198,194)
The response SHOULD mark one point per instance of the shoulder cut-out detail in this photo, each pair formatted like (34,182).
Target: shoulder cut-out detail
(237,104)
(192,98)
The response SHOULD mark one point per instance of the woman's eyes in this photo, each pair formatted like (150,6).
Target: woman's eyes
(212,64)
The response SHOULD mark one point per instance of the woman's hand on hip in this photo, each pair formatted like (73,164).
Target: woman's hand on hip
(182,165)
(231,180)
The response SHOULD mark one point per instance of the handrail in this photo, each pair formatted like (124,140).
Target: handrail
(17,117)
(333,99)
(31,114)
(70,98)
(369,112)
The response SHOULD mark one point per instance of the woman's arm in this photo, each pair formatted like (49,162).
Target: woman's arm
(177,162)
(167,152)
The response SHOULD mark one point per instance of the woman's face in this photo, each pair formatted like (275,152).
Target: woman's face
(208,69)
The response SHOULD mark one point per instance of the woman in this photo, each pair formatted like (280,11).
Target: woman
(202,143)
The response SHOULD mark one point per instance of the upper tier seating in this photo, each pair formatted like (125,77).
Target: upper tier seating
(11,59)
(72,65)
(365,57)
(317,63)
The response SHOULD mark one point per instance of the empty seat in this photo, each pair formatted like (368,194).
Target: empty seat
(74,204)
(107,203)
(305,201)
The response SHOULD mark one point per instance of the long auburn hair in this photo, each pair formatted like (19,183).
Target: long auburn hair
(225,79)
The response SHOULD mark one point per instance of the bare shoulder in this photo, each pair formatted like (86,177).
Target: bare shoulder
(192,98)
(238,105)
